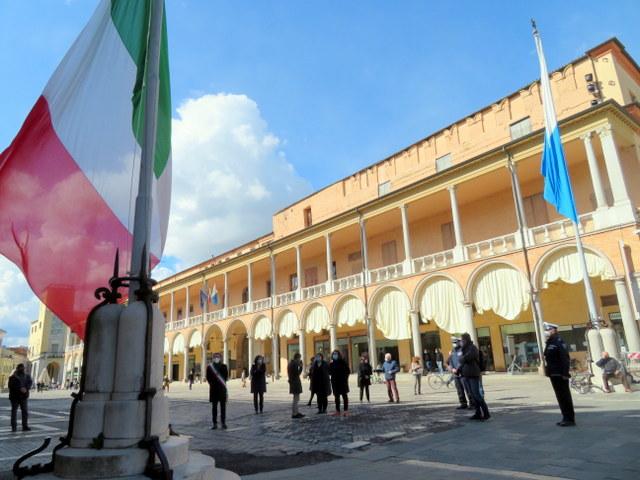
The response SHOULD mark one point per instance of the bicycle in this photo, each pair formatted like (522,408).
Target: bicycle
(581,383)
(438,380)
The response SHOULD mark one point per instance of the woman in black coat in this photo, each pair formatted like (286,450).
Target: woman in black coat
(320,382)
(258,376)
(339,371)
(364,376)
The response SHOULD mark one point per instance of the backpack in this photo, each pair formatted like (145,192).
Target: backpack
(482,363)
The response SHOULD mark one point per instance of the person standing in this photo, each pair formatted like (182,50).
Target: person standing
(427,361)
(308,374)
(416,371)
(192,377)
(453,363)
(470,370)
(217,376)
(391,368)
(19,385)
(557,363)
(320,382)
(364,376)
(294,370)
(339,372)
(439,360)
(258,376)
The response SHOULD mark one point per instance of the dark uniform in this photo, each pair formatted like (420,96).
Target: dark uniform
(19,385)
(320,384)
(217,380)
(339,372)
(557,362)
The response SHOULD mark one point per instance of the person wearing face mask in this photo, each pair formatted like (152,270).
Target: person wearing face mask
(453,363)
(258,376)
(557,363)
(364,376)
(294,370)
(339,372)
(312,361)
(19,385)
(320,382)
(217,376)
(469,368)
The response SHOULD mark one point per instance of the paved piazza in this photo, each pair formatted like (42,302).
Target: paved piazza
(421,434)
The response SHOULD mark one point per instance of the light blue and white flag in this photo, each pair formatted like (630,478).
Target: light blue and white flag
(214,295)
(557,185)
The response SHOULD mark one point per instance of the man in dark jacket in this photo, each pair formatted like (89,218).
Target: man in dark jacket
(557,363)
(469,368)
(19,385)
(320,382)
(258,376)
(294,370)
(339,371)
(217,376)
(454,364)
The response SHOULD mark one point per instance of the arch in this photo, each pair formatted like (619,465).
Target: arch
(348,310)
(262,329)
(178,346)
(287,324)
(391,308)
(562,263)
(211,330)
(440,298)
(501,287)
(233,325)
(195,340)
(315,318)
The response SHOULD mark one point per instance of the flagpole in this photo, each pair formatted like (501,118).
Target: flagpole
(591,298)
(143,208)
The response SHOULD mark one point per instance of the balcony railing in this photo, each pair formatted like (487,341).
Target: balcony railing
(314,291)
(387,273)
(195,320)
(347,283)
(262,304)
(560,229)
(215,316)
(493,246)
(433,261)
(285,298)
(238,310)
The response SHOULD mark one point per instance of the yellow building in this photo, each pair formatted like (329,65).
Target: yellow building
(47,343)
(9,360)
(425,243)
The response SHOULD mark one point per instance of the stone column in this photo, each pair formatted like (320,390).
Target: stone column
(333,337)
(468,322)
(365,250)
(415,333)
(624,211)
(371,333)
(225,352)
(330,278)
(299,271)
(594,171)
(459,253)
(249,287)
(302,349)
(626,312)
(275,354)
(203,363)
(226,293)
(406,239)
(185,365)
(250,354)
(595,349)
(169,365)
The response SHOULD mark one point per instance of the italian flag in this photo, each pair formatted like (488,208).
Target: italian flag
(69,179)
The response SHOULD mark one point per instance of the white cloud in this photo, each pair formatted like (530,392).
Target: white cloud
(18,305)
(229,176)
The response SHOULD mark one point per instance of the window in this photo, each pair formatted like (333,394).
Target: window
(54,347)
(448,236)
(311,276)
(179,314)
(245,294)
(355,262)
(293,282)
(334,271)
(269,288)
(355,256)
(609,300)
(384,188)
(443,162)
(190,309)
(535,210)
(520,128)
(389,253)
(307,217)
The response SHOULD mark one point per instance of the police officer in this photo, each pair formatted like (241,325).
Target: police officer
(557,362)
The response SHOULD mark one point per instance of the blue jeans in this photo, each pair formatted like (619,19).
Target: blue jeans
(473,384)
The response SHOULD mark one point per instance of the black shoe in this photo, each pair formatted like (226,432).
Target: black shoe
(297,415)
(14,429)
(462,407)
(224,426)
(398,401)
(309,404)
(566,423)
(390,401)
(485,418)
(26,429)
(215,426)
(256,412)
(475,417)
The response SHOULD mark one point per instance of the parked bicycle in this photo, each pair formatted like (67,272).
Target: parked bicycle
(438,380)
(581,383)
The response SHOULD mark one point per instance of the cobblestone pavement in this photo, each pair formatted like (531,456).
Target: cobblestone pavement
(422,434)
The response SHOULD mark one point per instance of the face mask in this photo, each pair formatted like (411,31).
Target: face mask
(547,334)
(318,359)
(462,343)
(335,356)
(259,362)
(216,360)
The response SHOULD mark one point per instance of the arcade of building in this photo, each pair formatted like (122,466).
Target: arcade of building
(426,244)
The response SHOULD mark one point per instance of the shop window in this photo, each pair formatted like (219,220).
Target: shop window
(535,210)
(520,345)
(389,253)
(574,337)
(448,236)
(443,162)
(307,217)
(609,300)
(520,128)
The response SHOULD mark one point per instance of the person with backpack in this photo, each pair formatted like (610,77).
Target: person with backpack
(469,368)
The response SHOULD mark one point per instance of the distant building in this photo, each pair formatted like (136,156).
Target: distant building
(47,343)
(9,358)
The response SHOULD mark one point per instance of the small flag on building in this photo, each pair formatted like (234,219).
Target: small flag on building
(214,295)
(557,185)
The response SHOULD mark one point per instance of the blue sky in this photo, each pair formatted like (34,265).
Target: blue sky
(326,87)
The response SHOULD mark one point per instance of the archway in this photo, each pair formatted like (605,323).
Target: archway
(50,374)
(238,344)
(287,326)
(390,309)
(213,341)
(503,316)
(262,333)
(350,320)
(195,359)
(177,357)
